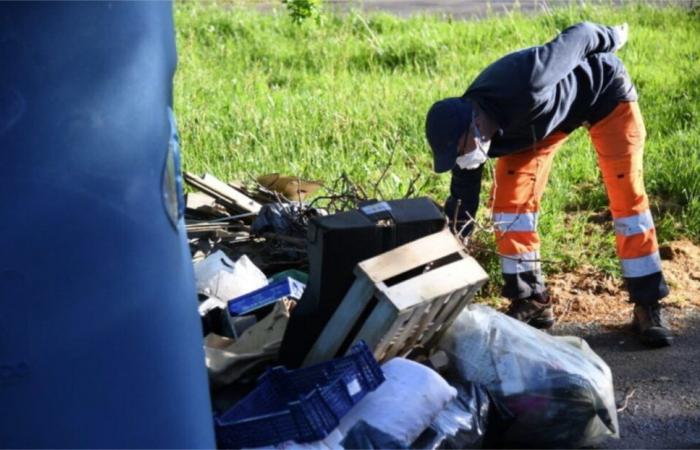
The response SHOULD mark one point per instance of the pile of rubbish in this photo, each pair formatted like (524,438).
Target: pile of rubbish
(343,322)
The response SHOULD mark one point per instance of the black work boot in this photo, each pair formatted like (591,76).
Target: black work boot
(535,311)
(651,326)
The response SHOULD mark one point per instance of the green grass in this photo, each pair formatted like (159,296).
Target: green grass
(255,93)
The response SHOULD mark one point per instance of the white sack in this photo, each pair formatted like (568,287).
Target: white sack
(405,404)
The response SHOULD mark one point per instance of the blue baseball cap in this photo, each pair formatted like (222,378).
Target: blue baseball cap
(446,122)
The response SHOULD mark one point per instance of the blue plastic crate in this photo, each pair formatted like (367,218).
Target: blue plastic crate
(302,405)
(273,292)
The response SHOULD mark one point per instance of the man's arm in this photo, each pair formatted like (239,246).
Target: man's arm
(463,201)
(556,59)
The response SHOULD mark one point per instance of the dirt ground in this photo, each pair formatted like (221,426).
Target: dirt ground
(589,296)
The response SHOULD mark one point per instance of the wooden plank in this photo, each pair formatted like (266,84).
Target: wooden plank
(400,341)
(436,306)
(380,327)
(198,183)
(452,305)
(342,321)
(224,193)
(388,340)
(197,200)
(409,256)
(448,315)
(441,328)
(235,195)
(456,304)
(435,283)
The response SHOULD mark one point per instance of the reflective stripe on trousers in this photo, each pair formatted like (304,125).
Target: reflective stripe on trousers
(525,262)
(636,245)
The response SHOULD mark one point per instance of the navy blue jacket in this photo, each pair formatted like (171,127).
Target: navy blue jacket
(534,92)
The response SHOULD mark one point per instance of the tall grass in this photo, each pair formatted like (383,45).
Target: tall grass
(256,93)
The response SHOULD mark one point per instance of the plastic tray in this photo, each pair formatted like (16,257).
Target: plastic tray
(302,405)
(273,292)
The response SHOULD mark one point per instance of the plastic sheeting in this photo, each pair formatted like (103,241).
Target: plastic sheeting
(462,423)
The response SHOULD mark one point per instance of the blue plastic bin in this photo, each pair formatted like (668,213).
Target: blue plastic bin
(302,405)
(100,340)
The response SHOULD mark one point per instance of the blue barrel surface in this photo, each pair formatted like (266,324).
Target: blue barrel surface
(100,341)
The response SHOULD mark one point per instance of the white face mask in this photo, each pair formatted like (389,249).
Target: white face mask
(478,156)
(472,160)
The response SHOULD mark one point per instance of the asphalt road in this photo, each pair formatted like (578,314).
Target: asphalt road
(455,8)
(464,9)
(664,411)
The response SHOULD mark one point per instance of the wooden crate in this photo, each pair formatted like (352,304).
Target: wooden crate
(402,299)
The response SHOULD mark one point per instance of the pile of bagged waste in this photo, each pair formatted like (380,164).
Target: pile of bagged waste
(351,324)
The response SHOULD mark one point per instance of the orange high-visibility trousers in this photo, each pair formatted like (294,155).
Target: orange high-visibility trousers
(520,182)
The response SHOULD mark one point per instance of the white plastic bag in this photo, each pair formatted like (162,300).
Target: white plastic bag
(218,276)
(560,394)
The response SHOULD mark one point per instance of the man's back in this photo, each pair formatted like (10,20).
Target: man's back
(557,86)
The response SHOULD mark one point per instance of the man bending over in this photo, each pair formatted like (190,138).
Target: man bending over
(521,109)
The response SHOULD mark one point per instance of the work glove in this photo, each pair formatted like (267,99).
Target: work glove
(622,34)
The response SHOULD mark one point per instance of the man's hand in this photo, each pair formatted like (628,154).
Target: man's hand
(622,32)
